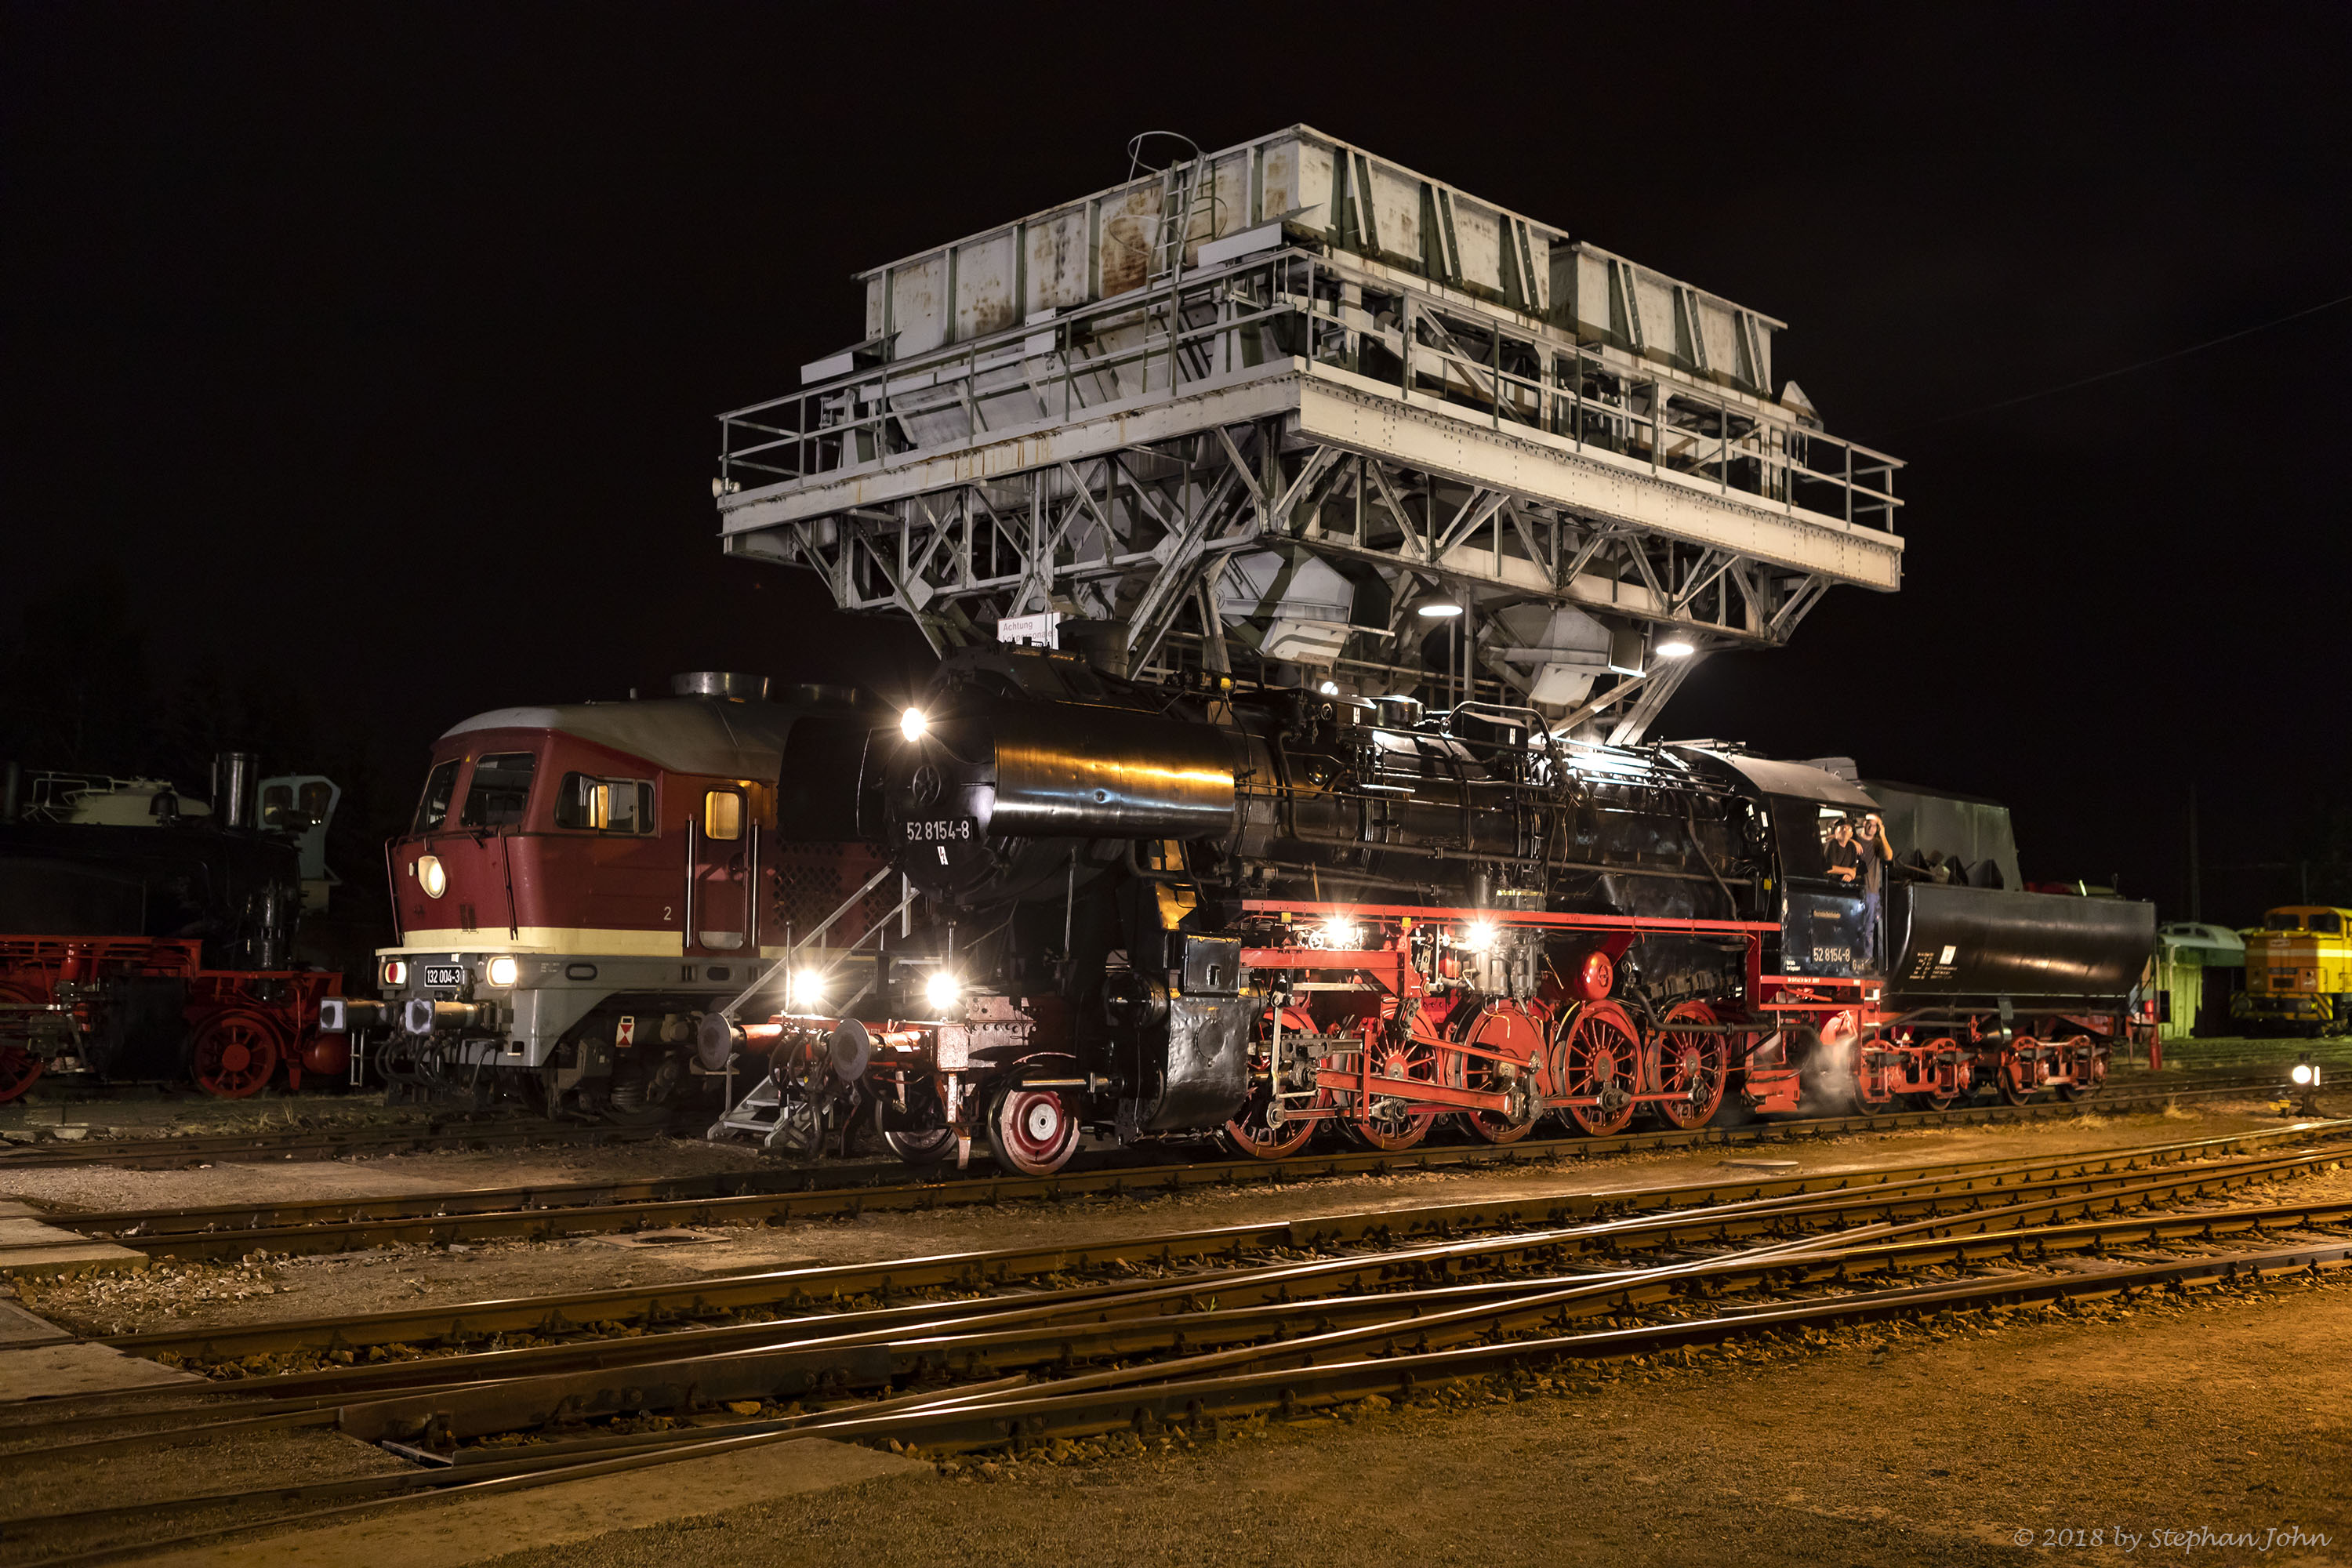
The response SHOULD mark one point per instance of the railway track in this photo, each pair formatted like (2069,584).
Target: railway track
(1199,1328)
(170,1153)
(546,1212)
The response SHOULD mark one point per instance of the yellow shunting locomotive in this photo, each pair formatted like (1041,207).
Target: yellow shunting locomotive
(2298,970)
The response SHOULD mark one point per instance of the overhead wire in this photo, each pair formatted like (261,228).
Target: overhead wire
(2137,365)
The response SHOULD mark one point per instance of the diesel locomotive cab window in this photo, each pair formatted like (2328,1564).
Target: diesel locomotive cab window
(2326,924)
(500,790)
(433,809)
(722,814)
(2279,920)
(604,806)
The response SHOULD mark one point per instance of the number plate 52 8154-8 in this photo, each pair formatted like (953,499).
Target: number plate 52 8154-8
(940,830)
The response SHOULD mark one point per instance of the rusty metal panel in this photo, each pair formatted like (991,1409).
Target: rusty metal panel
(985,277)
(918,298)
(1297,179)
(1394,200)
(1060,257)
(1131,235)
(873,306)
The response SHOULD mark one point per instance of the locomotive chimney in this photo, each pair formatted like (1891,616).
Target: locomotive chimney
(1102,644)
(232,773)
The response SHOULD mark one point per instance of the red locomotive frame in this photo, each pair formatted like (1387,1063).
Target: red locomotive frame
(243,1024)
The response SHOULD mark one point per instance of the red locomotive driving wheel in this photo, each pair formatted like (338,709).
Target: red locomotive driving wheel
(18,1066)
(233,1054)
(1689,1064)
(1251,1132)
(1508,1042)
(1383,1120)
(1597,1059)
(1030,1130)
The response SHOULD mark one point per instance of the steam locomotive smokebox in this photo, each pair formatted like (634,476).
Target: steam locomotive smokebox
(996,773)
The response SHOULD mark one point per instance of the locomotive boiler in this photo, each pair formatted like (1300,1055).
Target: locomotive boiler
(1158,911)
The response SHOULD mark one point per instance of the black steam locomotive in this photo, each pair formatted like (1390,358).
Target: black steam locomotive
(1258,909)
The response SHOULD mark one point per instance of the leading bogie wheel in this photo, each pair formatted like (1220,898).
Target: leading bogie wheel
(1031,1131)
(233,1054)
(927,1147)
(1689,1064)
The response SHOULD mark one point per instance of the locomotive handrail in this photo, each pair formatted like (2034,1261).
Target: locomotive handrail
(784,965)
(1505,917)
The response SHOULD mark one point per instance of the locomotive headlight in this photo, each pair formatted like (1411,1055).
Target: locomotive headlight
(2304,1074)
(1338,932)
(911,723)
(431,877)
(504,972)
(806,989)
(940,990)
(394,972)
(1479,937)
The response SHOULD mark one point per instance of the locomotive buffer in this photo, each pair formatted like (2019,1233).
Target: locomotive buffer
(1289,409)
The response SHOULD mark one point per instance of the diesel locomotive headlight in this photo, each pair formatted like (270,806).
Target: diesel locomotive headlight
(431,877)
(940,990)
(394,972)
(504,971)
(911,723)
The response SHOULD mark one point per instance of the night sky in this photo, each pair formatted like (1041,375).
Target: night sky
(361,363)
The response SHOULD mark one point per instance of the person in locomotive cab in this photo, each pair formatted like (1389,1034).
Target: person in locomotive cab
(1873,852)
(1839,853)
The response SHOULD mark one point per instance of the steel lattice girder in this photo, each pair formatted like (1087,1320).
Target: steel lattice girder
(1113,468)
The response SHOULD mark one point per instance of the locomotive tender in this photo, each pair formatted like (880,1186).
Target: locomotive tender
(1164,910)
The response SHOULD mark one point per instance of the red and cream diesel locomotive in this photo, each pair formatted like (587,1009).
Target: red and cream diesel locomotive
(581,883)
(1161,911)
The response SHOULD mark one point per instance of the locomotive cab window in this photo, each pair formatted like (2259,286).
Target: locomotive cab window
(2327,923)
(499,790)
(604,806)
(433,810)
(722,814)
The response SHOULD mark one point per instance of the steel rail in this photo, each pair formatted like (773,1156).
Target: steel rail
(1022,1335)
(237,1148)
(1181,1322)
(1053,1410)
(537,1213)
(265,1399)
(650,1306)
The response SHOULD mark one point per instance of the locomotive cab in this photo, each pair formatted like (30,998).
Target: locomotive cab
(580,884)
